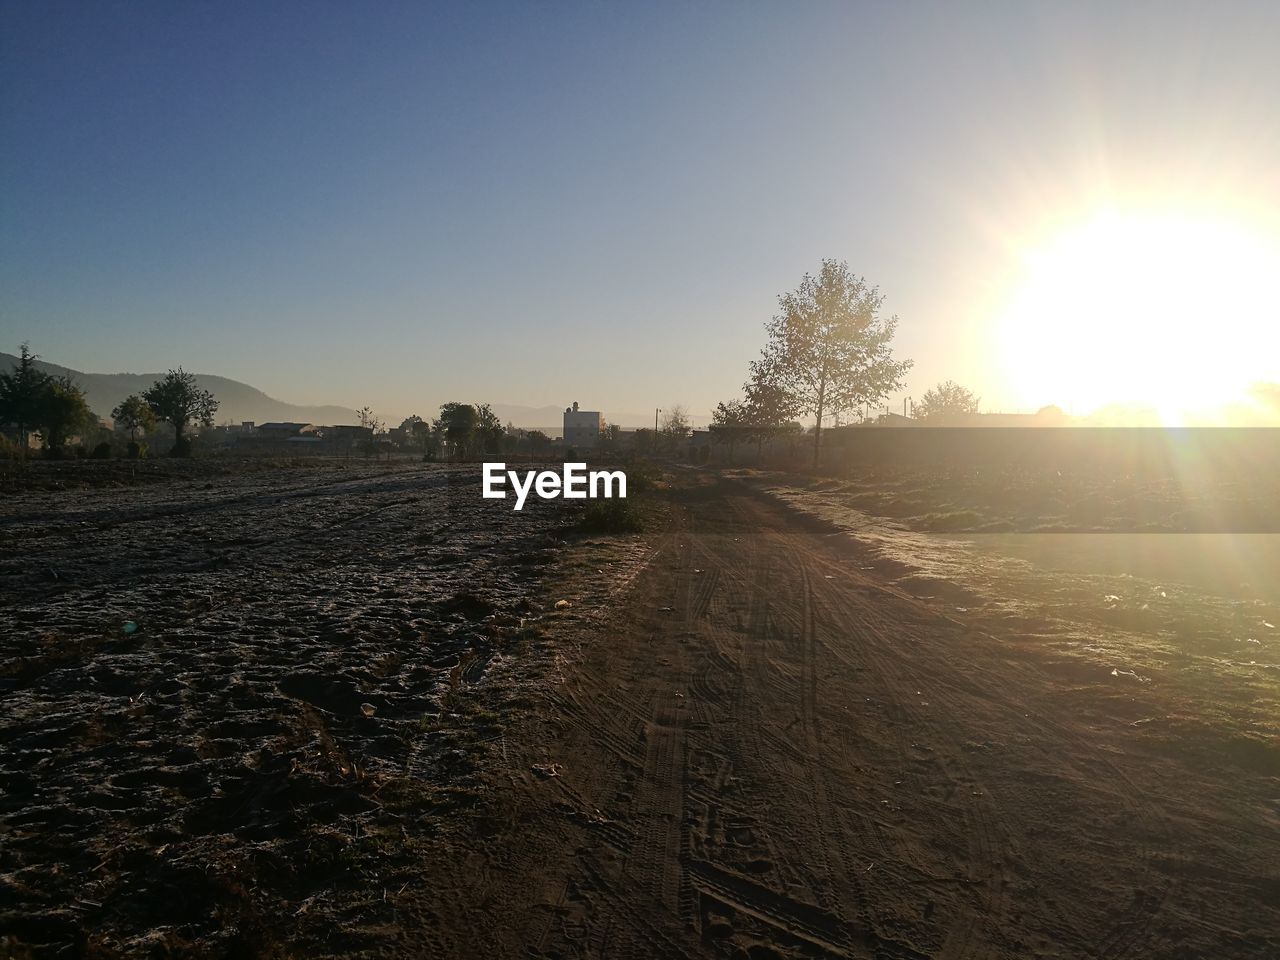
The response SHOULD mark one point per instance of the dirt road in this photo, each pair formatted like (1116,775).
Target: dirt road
(768,751)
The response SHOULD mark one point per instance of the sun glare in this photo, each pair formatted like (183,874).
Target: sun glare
(1169,313)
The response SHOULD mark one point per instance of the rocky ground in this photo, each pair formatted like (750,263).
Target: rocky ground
(240,705)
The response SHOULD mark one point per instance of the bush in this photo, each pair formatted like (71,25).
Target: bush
(137,450)
(640,478)
(102,451)
(611,516)
(8,449)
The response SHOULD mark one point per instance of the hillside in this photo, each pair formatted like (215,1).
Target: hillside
(238,401)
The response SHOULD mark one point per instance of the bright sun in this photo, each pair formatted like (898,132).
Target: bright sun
(1174,313)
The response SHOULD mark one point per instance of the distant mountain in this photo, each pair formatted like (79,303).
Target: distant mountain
(237,401)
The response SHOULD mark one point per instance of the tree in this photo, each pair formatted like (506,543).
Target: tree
(63,411)
(610,438)
(675,427)
(133,414)
(418,431)
(539,442)
(21,394)
(769,409)
(645,442)
(458,423)
(488,429)
(370,426)
(945,400)
(828,348)
(729,423)
(176,399)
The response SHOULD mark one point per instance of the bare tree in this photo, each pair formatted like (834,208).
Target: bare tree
(675,426)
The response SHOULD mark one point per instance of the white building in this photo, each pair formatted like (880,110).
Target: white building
(582,427)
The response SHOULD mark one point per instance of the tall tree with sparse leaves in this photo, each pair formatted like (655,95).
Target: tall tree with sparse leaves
(176,399)
(829,347)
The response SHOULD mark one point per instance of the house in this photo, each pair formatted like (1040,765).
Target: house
(582,427)
(346,432)
(285,430)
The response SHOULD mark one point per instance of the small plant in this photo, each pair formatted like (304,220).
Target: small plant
(611,516)
(102,451)
(137,450)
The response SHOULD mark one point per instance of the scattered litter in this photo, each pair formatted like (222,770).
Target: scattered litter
(1110,598)
(1269,626)
(368,709)
(697,571)
(1252,640)
(666,609)
(1129,673)
(129,627)
(963,609)
(547,770)
(563,604)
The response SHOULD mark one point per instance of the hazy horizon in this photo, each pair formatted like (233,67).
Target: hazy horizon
(534,206)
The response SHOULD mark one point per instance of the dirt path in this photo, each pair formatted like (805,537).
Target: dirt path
(768,752)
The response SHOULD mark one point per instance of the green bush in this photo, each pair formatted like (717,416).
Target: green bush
(137,450)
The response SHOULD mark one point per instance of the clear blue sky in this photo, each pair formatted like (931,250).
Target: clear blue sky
(540,202)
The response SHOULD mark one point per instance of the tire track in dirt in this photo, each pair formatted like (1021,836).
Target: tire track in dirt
(766,753)
(1125,933)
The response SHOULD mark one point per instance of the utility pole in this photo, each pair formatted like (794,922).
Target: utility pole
(656,410)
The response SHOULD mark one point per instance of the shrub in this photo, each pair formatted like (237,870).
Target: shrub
(137,450)
(611,516)
(102,451)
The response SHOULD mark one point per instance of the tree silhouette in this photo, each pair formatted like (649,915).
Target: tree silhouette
(176,399)
(828,348)
(133,414)
(63,410)
(675,427)
(21,395)
(458,423)
(729,423)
